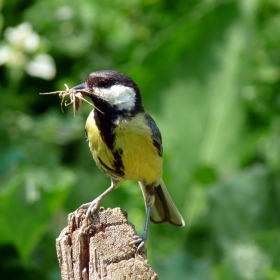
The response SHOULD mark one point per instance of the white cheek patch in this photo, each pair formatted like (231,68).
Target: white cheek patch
(118,95)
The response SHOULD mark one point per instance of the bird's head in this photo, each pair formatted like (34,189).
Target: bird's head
(112,90)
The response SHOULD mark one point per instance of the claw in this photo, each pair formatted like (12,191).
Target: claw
(137,239)
(141,240)
(91,207)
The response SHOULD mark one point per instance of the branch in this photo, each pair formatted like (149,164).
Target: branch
(100,248)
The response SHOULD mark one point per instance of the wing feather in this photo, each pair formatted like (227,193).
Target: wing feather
(156,135)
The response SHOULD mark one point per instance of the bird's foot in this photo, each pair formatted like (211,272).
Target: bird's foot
(138,240)
(91,207)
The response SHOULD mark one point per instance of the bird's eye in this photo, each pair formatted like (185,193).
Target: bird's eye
(104,84)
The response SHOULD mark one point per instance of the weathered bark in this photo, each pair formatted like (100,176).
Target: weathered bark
(99,248)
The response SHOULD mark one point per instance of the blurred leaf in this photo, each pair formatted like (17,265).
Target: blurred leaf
(182,266)
(29,201)
(254,198)
(205,175)
(11,267)
(9,158)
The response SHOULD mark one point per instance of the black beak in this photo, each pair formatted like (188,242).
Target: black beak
(84,90)
(81,86)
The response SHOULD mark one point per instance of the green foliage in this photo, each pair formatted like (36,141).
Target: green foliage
(208,71)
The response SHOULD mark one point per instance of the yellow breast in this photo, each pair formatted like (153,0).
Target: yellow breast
(134,138)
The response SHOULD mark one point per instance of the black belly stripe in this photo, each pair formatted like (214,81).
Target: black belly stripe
(106,127)
(118,163)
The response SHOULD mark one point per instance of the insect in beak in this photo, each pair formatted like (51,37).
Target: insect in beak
(76,97)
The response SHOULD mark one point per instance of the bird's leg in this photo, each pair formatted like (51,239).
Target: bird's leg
(141,240)
(93,206)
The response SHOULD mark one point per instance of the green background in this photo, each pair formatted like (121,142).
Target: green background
(209,73)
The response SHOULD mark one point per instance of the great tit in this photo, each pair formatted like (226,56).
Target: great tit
(126,144)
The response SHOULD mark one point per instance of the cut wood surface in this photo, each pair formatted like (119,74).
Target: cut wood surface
(100,249)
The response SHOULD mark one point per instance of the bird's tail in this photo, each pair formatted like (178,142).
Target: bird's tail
(164,209)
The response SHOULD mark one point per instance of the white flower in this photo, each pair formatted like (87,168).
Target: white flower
(23,37)
(20,50)
(5,54)
(42,65)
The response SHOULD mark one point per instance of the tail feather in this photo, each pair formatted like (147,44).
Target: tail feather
(164,209)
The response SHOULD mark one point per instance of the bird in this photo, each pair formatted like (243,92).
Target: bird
(126,144)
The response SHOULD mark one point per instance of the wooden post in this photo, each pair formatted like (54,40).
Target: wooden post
(99,248)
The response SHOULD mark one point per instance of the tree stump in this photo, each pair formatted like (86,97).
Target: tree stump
(100,249)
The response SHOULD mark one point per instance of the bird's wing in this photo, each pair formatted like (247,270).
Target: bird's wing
(157,140)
